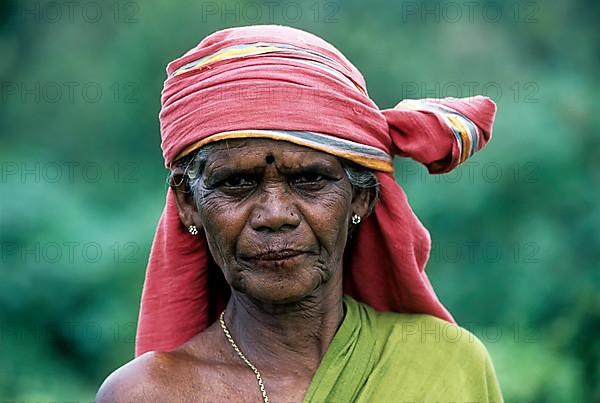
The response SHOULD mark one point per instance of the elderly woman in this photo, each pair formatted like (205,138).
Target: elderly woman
(288,265)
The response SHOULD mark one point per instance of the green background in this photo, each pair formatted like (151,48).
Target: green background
(516,230)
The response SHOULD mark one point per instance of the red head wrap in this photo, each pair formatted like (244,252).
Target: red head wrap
(286,84)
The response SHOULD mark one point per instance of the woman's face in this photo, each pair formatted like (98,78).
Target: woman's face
(275,215)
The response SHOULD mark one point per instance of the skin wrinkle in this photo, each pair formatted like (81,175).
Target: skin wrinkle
(202,192)
(270,189)
(192,165)
(205,202)
(282,315)
(274,189)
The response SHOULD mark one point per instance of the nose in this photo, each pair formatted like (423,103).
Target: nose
(276,211)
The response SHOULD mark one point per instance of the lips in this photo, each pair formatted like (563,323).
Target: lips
(277,255)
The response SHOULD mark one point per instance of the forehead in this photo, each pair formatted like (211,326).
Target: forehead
(256,150)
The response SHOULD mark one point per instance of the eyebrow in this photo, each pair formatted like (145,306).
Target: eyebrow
(325,167)
(223,171)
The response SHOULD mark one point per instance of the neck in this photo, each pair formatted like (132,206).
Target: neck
(286,338)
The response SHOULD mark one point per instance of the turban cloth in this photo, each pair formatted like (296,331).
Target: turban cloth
(276,82)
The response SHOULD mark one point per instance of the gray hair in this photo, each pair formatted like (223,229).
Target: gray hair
(360,178)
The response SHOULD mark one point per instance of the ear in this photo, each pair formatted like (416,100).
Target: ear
(186,205)
(362,202)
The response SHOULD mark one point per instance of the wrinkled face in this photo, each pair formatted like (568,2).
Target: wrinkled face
(276,216)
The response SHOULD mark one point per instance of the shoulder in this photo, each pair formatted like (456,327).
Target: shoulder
(422,332)
(457,354)
(429,345)
(146,378)
(435,337)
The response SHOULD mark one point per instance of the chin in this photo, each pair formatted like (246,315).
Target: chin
(277,288)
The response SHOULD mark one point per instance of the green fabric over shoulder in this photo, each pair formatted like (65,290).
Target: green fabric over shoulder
(392,357)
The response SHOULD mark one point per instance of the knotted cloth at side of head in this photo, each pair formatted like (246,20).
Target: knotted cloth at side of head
(286,84)
(443,133)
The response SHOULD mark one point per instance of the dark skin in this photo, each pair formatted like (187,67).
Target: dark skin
(276,217)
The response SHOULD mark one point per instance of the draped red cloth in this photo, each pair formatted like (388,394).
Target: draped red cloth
(311,87)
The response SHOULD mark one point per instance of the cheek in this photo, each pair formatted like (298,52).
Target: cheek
(222,224)
(328,216)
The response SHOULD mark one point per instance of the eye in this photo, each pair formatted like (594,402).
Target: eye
(309,180)
(238,181)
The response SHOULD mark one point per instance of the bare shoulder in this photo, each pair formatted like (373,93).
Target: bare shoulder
(184,374)
(149,377)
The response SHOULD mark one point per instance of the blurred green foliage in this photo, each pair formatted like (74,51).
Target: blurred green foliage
(516,231)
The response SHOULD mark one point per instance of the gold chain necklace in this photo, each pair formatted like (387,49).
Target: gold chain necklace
(261,385)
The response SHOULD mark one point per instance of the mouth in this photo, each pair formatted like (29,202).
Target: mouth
(280,259)
(278,255)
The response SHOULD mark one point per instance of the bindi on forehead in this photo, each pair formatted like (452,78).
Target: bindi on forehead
(259,154)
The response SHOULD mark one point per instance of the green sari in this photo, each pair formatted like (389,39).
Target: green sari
(391,357)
